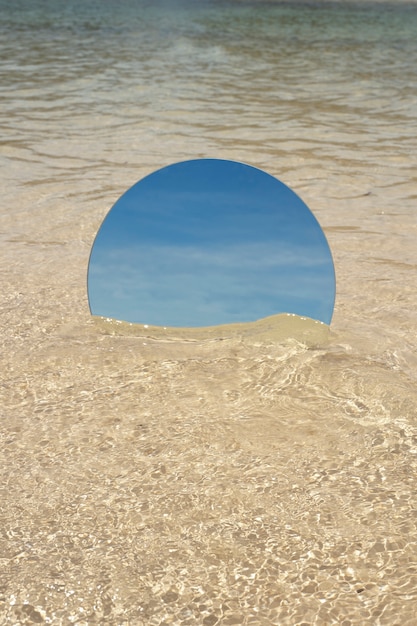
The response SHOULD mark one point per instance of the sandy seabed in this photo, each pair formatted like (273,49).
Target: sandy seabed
(259,475)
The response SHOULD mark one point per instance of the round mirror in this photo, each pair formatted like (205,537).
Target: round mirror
(208,242)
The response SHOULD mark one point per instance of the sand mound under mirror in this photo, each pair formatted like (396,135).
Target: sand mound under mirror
(207,243)
(277,328)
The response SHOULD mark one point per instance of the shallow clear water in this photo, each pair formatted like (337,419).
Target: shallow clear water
(255,475)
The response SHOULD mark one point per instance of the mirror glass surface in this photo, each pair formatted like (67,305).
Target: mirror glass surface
(208,242)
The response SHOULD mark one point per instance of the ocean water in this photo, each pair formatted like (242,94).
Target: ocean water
(257,475)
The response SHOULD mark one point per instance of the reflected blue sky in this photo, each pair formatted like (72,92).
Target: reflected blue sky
(209,242)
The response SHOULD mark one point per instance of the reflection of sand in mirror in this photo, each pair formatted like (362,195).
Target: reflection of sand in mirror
(269,329)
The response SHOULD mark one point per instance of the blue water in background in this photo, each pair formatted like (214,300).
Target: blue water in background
(248,72)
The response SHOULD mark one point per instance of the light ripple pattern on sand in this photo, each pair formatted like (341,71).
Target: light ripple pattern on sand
(257,475)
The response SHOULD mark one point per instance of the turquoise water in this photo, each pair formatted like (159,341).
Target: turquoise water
(266,476)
